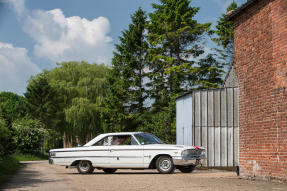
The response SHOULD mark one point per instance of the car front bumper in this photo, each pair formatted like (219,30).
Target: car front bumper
(179,161)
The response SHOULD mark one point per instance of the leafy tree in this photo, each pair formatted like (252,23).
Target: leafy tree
(127,92)
(29,135)
(12,106)
(175,38)
(225,31)
(42,100)
(161,123)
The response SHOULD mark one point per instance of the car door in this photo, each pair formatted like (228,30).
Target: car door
(125,152)
(99,154)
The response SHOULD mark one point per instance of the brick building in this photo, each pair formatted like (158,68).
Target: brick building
(260,61)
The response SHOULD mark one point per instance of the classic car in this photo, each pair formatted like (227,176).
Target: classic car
(130,150)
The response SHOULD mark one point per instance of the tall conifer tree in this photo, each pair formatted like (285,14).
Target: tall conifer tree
(127,96)
(224,31)
(175,38)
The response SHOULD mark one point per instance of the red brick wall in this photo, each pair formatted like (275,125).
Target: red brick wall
(260,47)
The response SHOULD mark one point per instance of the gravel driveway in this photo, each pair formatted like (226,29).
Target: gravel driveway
(42,176)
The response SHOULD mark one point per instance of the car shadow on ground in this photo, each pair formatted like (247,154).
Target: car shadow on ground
(119,173)
(27,178)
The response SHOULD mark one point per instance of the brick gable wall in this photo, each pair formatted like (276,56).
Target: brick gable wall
(260,48)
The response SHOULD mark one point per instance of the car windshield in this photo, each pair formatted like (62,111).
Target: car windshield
(147,139)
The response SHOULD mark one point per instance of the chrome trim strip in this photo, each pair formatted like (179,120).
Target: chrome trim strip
(98,157)
(116,150)
(79,150)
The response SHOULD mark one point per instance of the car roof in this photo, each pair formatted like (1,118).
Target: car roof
(121,133)
(91,142)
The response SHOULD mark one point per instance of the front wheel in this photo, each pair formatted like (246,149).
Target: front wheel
(164,165)
(186,169)
(109,170)
(85,167)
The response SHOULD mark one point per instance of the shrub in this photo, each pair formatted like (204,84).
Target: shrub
(4,138)
(29,135)
(8,165)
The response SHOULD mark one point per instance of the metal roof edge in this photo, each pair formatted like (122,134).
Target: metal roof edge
(239,9)
(191,91)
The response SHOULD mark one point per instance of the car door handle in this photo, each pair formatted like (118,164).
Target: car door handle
(111,150)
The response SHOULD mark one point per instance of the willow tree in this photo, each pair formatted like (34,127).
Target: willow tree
(84,118)
(82,88)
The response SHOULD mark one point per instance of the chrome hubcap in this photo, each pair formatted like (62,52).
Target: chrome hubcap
(165,164)
(84,165)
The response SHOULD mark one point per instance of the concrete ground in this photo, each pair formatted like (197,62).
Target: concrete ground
(42,176)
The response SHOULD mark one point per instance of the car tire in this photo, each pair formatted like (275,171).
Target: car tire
(164,165)
(186,169)
(85,167)
(109,170)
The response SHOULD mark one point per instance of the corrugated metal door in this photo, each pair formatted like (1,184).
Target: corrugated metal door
(211,121)
(184,120)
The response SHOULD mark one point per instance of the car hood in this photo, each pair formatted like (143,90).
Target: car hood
(170,146)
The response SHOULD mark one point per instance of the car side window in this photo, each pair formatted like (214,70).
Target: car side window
(103,142)
(124,140)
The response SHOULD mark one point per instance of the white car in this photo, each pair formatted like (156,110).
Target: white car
(130,150)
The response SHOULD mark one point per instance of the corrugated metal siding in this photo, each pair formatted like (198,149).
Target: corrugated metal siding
(209,118)
(184,120)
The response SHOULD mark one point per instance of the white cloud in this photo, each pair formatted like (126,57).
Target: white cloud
(59,38)
(15,68)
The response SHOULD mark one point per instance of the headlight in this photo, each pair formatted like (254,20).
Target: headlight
(185,153)
(52,154)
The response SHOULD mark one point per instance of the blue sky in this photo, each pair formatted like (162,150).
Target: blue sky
(35,34)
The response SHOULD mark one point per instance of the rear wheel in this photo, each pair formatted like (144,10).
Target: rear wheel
(85,167)
(109,170)
(186,169)
(164,165)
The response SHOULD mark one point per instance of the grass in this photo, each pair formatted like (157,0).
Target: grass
(8,165)
(30,157)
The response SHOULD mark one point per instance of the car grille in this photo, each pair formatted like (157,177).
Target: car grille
(195,154)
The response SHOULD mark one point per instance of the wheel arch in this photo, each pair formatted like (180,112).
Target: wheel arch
(152,164)
(76,162)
